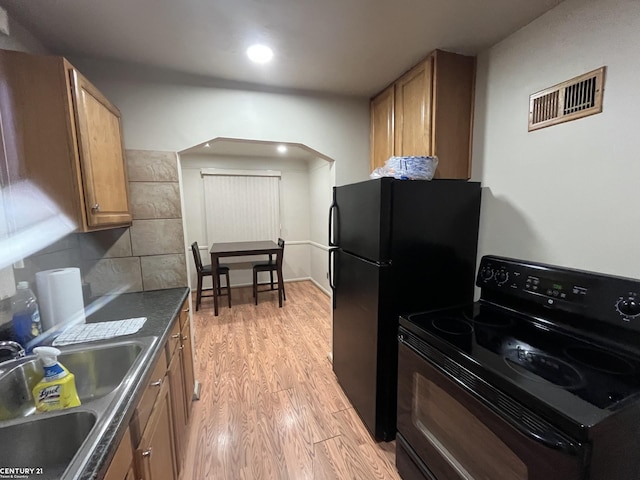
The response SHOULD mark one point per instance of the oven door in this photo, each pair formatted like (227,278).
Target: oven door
(449,431)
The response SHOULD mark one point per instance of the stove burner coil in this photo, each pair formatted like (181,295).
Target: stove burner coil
(600,360)
(452,326)
(493,320)
(455,331)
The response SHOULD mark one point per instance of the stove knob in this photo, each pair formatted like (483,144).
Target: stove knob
(501,277)
(628,306)
(486,273)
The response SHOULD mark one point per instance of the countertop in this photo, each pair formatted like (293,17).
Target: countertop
(160,307)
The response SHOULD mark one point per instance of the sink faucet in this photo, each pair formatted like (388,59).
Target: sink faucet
(10,350)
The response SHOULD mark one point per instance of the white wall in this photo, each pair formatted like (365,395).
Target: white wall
(294,209)
(321,194)
(165,111)
(20,39)
(567,194)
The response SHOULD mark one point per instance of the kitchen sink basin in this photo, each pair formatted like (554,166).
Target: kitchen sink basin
(98,371)
(59,444)
(47,444)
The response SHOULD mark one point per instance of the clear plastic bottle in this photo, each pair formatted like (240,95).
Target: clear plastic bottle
(26,315)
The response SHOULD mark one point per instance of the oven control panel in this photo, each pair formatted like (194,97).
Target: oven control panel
(606,298)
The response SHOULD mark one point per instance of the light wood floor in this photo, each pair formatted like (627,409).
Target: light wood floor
(270,405)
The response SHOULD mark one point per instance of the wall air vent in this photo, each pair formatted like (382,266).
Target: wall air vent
(576,98)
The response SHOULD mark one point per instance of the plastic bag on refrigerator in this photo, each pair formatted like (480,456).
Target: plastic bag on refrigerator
(408,168)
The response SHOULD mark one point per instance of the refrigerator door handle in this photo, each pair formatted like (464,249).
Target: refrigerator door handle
(332,274)
(332,258)
(333,218)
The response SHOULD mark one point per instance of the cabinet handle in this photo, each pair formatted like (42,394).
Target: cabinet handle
(96,207)
(181,347)
(147,453)
(185,337)
(186,310)
(177,335)
(157,383)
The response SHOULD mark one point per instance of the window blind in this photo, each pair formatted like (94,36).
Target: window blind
(241,206)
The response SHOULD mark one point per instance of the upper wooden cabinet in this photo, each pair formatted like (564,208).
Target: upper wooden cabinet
(430,110)
(64,137)
(382,139)
(413,107)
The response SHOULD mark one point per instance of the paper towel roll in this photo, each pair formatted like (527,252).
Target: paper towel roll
(60,297)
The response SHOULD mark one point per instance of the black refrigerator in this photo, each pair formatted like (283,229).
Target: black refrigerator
(397,246)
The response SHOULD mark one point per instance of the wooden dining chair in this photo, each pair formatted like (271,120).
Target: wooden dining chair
(205,271)
(271,266)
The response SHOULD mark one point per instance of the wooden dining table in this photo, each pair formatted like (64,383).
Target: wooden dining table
(240,249)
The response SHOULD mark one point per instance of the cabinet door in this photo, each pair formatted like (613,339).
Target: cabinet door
(156,453)
(104,176)
(131,474)
(413,107)
(176,389)
(187,365)
(453,90)
(121,464)
(382,118)
(145,406)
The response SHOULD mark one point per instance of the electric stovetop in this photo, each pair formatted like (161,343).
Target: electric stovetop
(561,372)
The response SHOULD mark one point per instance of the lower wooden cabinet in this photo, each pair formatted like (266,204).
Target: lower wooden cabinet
(131,474)
(154,445)
(187,368)
(121,467)
(146,404)
(155,456)
(176,384)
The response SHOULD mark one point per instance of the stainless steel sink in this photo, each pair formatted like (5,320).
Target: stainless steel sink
(61,442)
(98,371)
(48,443)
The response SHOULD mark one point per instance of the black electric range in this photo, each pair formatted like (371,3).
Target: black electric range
(555,352)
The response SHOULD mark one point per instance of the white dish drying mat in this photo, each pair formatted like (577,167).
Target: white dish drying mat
(90,332)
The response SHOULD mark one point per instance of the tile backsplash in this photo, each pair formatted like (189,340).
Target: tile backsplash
(147,256)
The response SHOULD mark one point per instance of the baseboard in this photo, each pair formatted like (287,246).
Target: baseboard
(325,291)
(290,280)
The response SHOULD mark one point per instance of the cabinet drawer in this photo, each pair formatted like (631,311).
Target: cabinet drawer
(173,341)
(141,415)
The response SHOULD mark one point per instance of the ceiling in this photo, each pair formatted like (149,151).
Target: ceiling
(351,47)
(232,147)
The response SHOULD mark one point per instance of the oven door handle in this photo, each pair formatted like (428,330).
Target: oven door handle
(550,440)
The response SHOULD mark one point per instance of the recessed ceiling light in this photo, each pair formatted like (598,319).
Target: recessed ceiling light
(207,145)
(282,149)
(259,53)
